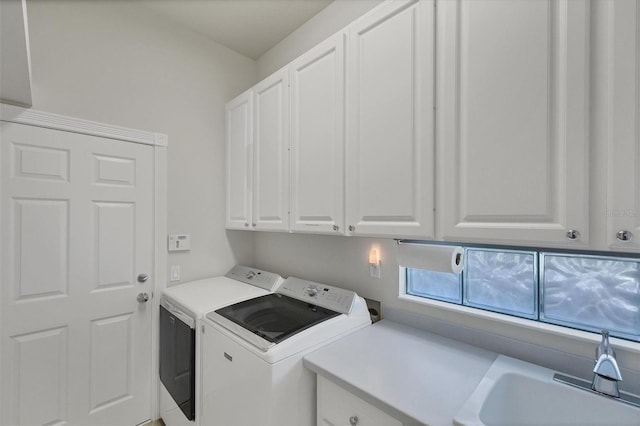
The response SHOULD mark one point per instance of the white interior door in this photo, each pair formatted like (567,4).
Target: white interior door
(77,230)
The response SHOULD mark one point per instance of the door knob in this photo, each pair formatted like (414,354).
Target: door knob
(143,297)
(142,278)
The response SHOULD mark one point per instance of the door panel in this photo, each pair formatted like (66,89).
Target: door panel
(77,229)
(239,139)
(271,153)
(623,125)
(389,149)
(34,162)
(41,251)
(317,138)
(513,115)
(40,373)
(111,341)
(115,239)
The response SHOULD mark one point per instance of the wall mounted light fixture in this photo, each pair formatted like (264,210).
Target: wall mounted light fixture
(374,262)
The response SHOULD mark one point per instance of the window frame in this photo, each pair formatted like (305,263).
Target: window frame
(572,330)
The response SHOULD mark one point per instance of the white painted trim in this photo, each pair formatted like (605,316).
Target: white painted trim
(50,120)
(160,262)
(1,285)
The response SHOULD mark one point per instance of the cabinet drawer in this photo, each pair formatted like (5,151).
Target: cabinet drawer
(338,407)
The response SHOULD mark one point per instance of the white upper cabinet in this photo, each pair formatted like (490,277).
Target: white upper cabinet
(239,136)
(15,56)
(271,153)
(389,149)
(317,138)
(513,121)
(622,109)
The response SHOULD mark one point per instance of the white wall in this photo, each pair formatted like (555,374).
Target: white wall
(328,21)
(119,63)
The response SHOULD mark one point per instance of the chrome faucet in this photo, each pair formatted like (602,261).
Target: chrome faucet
(606,373)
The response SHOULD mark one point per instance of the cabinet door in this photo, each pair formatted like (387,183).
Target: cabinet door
(338,407)
(271,153)
(389,148)
(623,119)
(239,136)
(317,138)
(513,120)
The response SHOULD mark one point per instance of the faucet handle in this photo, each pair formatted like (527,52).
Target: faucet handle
(606,366)
(604,348)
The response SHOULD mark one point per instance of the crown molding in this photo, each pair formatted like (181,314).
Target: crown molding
(49,120)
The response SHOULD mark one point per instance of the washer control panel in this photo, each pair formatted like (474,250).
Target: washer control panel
(334,298)
(263,279)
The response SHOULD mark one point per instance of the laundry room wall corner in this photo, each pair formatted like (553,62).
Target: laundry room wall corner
(125,64)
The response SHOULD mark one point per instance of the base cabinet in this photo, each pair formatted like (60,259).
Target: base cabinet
(338,407)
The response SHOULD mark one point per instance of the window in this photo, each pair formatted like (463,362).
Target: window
(587,292)
(502,281)
(592,293)
(434,285)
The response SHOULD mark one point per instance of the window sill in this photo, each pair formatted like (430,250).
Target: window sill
(522,323)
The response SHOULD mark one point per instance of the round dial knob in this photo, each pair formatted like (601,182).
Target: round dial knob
(312,291)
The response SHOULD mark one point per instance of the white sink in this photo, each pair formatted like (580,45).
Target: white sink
(514,392)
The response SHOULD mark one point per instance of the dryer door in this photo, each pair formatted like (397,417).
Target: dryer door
(177,360)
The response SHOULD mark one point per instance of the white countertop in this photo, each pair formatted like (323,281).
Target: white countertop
(413,375)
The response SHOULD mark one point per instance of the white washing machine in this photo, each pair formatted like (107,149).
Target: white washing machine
(181,308)
(252,370)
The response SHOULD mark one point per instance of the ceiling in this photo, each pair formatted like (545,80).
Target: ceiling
(250,27)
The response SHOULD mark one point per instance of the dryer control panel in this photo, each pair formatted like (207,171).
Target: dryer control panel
(334,298)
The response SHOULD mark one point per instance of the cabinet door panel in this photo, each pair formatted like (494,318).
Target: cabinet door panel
(623,119)
(389,163)
(239,135)
(271,153)
(513,121)
(317,138)
(338,407)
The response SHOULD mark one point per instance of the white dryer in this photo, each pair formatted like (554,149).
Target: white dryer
(181,308)
(252,369)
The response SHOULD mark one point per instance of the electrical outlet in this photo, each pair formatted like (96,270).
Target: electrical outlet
(374,270)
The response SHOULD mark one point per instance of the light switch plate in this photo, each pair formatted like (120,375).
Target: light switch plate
(179,242)
(174,273)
